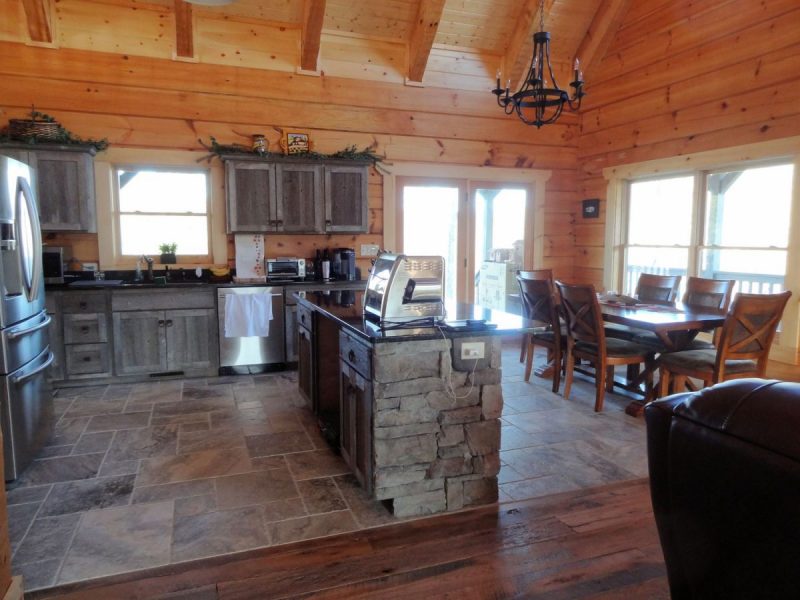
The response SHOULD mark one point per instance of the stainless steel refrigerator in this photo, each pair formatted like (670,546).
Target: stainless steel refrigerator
(26,409)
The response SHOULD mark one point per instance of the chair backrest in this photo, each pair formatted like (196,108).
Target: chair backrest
(535,275)
(538,296)
(750,328)
(582,312)
(708,295)
(657,289)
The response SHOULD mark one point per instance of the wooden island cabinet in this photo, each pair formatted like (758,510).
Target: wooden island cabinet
(418,425)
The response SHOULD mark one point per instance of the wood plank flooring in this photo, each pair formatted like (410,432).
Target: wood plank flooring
(596,543)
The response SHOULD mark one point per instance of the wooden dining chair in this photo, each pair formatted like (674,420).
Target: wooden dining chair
(536,274)
(657,289)
(586,340)
(539,295)
(743,349)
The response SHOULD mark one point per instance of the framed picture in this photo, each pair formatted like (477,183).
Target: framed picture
(297,143)
(591,208)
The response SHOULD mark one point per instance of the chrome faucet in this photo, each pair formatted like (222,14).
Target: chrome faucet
(149,261)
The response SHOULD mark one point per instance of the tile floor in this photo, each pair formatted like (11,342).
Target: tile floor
(143,475)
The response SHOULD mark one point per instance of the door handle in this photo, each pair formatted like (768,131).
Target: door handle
(18,334)
(169,322)
(161,322)
(17,379)
(351,356)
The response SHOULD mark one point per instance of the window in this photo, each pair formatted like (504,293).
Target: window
(718,224)
(160,206)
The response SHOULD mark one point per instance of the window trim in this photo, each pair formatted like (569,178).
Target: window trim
(787,348)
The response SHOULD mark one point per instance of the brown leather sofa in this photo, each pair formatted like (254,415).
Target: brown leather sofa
(725,483)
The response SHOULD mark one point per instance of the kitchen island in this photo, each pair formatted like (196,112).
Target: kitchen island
(418,424)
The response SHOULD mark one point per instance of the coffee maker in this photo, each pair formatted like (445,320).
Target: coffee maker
(347,258)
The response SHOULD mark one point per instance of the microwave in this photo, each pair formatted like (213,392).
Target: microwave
(285,269)
(53,264)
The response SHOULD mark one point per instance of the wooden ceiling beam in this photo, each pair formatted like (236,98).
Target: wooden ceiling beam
(420,42)
(600,34)
(184,30)
(517,58)
(37,13)
(311,36)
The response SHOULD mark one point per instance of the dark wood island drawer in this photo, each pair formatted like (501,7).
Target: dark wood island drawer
(356,354)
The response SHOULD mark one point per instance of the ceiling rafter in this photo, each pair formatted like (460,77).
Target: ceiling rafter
(422,35)
(184,30)
(518,54)
(311,36)
(37,13)
(600,34)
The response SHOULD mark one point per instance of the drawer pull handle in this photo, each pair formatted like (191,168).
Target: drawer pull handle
(351,356)
(82,304)
(302,318)
(87,359)
(85,329)
(169,322)
(161,322)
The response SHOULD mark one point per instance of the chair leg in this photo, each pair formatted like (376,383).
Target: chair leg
(557,360)
(649,390)
(610,379)
(569,371)
(529,359)
(523,346)
(632,372)
(678,383)
(600,385)
(663,382)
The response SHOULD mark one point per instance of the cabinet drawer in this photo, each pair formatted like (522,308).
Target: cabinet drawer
(305,317)
(85,329)
(163,299)
(83,302)
(87,359)
(355,354)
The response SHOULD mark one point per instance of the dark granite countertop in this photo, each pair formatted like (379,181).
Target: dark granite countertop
(345,307)
(200,284)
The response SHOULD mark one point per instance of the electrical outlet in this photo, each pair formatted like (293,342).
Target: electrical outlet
(472,350)
(369,249)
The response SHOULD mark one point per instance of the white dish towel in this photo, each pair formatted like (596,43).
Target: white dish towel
(248,314)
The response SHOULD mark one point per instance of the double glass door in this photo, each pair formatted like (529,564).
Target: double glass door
(479,229)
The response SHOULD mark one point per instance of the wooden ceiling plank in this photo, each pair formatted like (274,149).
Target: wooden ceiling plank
(184,30)
(601,33)
(313,16)
(423,33)
(37,13)
(518,53)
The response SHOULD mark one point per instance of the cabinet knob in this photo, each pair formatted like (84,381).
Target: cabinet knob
(328,222)
(85,329)
(169,322)
(302,318)
(161,322)
(351,356)
(82,304)
(87,359)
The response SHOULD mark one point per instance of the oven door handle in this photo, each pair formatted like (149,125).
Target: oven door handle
(13,335)
(16,380)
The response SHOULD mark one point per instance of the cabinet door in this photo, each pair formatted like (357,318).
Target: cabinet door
(290,328)
(346,199)
(65,190)
(191,340)
(250,196)
(356,424)
(305,364)
(139,342)
(299,198)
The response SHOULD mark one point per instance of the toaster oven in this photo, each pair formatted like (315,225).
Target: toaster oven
(285,269)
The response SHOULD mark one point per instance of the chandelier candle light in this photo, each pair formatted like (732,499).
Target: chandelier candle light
(535,103)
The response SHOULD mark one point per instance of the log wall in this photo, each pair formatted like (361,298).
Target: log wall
(684,76)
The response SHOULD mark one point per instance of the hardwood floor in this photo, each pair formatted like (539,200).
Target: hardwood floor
(595,543)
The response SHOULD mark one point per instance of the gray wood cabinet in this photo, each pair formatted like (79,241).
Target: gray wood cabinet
(355,408)
(292,196)
(64,182)
(140,346)
(84,333)
(191,340)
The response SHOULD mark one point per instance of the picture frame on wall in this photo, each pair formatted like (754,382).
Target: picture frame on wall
(297,143)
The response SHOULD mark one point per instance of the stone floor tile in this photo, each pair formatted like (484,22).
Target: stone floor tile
(67,431)
(215,392)
(93,442)
(278,443)
(65,468)
(90,494)
(124,421)
(198,465)
(170,491)
(218,532)
(190,427)
(303,528)
(264,463)
(195,505)
(131,444)
(83,407)
(321,495)
(280,510)
(116,540)
(316,463)
(38,575)
(23,495)
(54,451)
(214,439)
(47,538)
(367,512)
(536,487)
(193,405)
(20,516)
(255,488)
(118,467)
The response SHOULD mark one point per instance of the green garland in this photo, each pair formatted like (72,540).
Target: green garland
(348,153)
(63,136)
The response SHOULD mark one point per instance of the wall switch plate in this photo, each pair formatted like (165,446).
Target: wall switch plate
(472,350)
(369,249)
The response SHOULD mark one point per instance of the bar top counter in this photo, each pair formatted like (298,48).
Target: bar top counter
(345,307)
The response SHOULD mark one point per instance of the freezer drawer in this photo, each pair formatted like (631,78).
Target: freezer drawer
(253,350)
(27,413)
(23,342)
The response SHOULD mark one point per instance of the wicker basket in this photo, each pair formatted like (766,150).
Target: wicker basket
(20,129)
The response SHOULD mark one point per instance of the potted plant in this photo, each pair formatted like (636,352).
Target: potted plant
(168,253)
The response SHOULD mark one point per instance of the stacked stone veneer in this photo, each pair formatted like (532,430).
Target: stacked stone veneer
(435,452)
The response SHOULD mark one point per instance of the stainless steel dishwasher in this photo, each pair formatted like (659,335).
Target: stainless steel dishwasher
(253,350)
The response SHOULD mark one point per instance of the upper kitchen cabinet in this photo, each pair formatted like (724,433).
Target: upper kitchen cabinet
(296,196)
(346,199)
(64,180)
(250,196)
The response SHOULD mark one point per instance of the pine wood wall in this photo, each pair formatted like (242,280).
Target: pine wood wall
(685,76)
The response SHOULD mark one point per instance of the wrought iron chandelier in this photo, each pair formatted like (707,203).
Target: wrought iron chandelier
(535,103)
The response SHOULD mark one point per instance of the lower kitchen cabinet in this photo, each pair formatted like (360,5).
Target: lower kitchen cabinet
(140,344)
(305,364)
(355,408)
(84,333)
(191,342)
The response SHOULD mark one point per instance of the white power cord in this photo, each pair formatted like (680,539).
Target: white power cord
(450,390)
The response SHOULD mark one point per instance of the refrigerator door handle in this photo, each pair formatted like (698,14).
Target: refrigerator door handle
(13,335)
(24,191)
(17,379)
